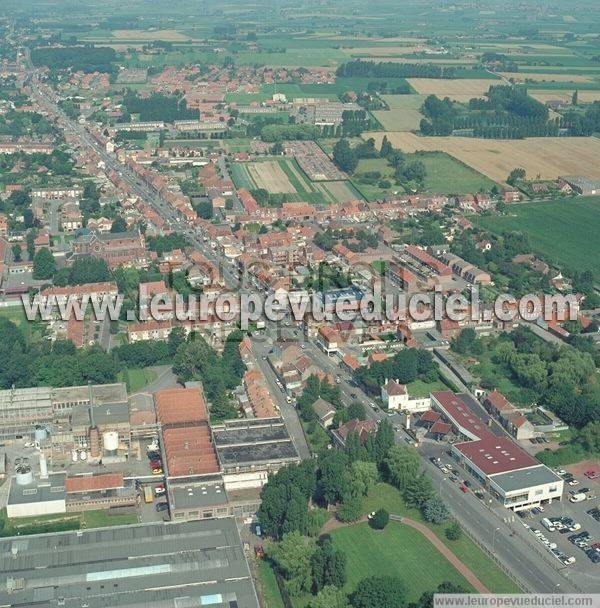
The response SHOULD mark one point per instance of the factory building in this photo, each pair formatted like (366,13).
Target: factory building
(198,563)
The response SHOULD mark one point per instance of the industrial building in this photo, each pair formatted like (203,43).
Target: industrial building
(248,450)
(512,475)
(173,565)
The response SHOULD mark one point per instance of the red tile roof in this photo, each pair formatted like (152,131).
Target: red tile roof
(496,454)
(91,483)
(179,406)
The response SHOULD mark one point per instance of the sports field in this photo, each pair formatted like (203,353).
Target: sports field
(284,176)
(396,551)
(565,231)
(546,157)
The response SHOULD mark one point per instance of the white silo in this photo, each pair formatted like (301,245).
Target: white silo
(24,475)
(110,441)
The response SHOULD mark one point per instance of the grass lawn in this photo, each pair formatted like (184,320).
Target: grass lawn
(564,231)
(386,496)
(136,378)
(396,551)
(101,519)
(61,522)
(268,585)
(16,314)
(420,389)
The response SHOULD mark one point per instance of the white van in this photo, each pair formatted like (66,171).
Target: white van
(578,497)
(549,525)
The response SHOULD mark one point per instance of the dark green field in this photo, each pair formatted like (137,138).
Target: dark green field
(566,231)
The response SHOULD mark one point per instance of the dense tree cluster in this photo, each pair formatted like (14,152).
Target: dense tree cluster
(165,244)
(86,58)
(405,366)
(24,364)
(391,69)
(167,108)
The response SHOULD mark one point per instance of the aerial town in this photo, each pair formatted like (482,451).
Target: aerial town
(410,194)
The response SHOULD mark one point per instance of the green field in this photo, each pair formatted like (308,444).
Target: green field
(136,379)
(566,231)
(419,389)
(61,522)
(385,496)
(396,551)
(403,113)
(445,175)
(268,585)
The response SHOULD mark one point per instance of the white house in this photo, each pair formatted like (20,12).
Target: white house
(396,397)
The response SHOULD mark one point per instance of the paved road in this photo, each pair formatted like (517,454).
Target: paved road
(485,522)
(288,413)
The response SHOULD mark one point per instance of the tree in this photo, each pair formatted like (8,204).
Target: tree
(88,270)
(380,520)
(402,466)
(365,475)
(379,592)
(330,597)
(328,566)
(332,479)
(350,507)
(386,147)
(17,252)
(292,558)
(418,491)
(515,176)
(453,531)
(575,98)
(176,339)
(344,156)
(118,225)
(44,265)
(356,410)
(379,445)
(435,510)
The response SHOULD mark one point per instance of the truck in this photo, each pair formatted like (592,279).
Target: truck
(148,494)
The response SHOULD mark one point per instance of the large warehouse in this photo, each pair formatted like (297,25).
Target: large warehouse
(199,563)
(515,477)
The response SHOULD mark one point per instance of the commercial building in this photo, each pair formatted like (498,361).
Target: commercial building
(512,475)
(173,565)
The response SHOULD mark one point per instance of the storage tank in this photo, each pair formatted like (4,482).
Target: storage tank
(110,441)
(40,434)
(24,475)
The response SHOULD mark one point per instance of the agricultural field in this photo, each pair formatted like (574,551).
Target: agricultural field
(284,176)
(403,114)
(560,230)
(565,96)
(543,157)
(460,89)
(529,76)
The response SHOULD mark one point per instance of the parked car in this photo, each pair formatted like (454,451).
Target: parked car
(464,489)
(162,506)
(573,482)
(157,471)
(159,490)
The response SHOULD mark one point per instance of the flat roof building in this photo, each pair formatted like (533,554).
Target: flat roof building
(248,450)
(173,565)
(515,477)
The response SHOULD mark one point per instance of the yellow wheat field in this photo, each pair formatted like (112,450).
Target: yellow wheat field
(547,157)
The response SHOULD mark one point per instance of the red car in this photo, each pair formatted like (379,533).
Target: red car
(591,474)
(155,464)
(464,489)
